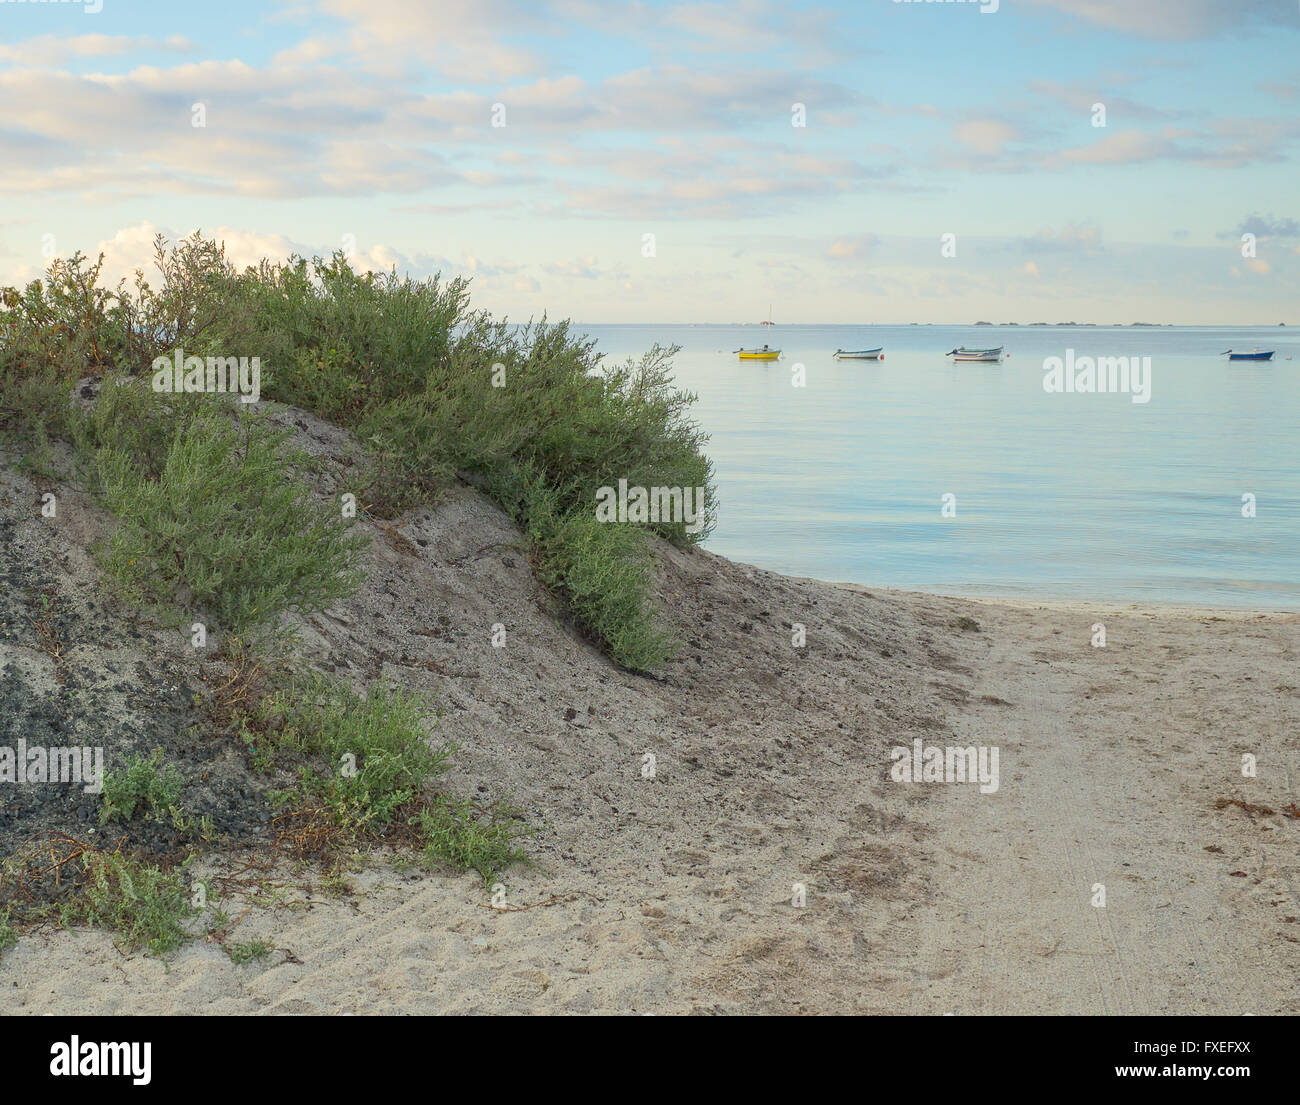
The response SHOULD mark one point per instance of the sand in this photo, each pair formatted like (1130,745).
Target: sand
(673,894)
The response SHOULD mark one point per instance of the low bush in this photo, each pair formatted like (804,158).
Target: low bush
(431,387)
(365,773)
(140,787)
(143,904)
(222,530)
(363,758)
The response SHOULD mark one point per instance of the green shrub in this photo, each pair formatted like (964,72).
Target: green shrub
(62,323)
(457,835)
(364,764)
(131,419)
(143,904)
(140,787)
(248,952)
(363,758)
(407,366)
(337,341)
(35,408)
(604,571)
(8,933)
(223,528)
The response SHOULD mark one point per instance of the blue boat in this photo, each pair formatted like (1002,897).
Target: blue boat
(1253,356)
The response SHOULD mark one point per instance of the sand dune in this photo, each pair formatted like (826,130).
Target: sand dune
(673,894)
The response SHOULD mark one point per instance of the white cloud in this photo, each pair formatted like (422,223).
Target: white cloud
(985,136)
(852,248)
(460,38)
(1175,19)
(51,50)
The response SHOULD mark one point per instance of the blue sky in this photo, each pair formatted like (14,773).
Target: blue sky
(368,124)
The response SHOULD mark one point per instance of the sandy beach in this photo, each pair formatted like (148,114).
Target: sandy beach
(673,890)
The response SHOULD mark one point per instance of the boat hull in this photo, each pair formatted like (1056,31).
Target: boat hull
(1250,356)
(859,354)
(961,353)
(770,355)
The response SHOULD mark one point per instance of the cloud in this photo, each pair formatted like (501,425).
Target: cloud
(583,268)
(132,248)
(46,51)
(306,52)
(985,136)
(1285,91)
(266,136)
(462,39)
(305,126)
(852,248)
(1174,19)
(1265,227)
(1124,148)
(1081,100)
(1073,239)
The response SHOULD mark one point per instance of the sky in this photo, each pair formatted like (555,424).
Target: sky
(681,162)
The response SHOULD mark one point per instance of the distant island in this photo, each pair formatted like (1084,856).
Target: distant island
(1058,324)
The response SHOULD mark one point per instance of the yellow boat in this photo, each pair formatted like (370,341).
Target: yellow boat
(763,354)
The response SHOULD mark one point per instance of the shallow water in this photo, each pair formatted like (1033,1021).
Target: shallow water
(1070,496)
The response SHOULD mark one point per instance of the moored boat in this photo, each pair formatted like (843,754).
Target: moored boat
(764,354)
(961,353)
(860,354)
(1254,355)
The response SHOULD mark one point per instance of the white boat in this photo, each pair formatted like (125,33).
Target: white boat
(961,353)
(860,354)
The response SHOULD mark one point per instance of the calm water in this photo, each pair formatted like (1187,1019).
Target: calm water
(1058,495)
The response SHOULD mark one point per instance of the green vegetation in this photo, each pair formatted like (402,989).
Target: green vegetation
(248,952)
(215,517)
(222,529)
(8,934)
(142,904)
(431,388)
(459,835)
(606,576)
(360,759)
(411,370)
(365,771)
(140,787)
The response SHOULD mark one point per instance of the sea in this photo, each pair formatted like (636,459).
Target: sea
(974,479)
